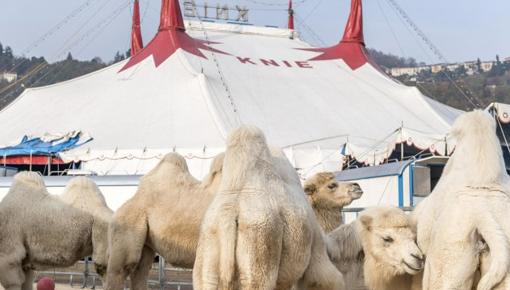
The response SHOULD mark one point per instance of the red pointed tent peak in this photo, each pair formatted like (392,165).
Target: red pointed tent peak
(351,48)
(170,37)
(291,16)
(354,28)
(171,17)
(136,33)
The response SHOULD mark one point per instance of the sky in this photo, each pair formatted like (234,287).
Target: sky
(462,30)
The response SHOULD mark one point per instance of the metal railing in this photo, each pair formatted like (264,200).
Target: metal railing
(90,279)
(86,275)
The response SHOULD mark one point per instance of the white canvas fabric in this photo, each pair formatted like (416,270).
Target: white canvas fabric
(188,104)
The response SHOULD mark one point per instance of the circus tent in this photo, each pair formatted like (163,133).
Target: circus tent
(196,81)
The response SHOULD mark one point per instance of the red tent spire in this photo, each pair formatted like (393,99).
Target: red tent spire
(170,37)
(354,28)
(291,16)
(136,33)
(171,17)
(351,48)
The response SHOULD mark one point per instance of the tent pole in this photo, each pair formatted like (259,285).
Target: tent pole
(402,142)
(49,165)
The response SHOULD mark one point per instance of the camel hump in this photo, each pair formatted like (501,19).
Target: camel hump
(217,163)
(246,135)
(477,122)
(175,160)
(171,163)
(29,178)
(83,191)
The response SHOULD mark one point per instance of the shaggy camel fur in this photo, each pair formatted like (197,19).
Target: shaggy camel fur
(260,232)
(40,231)
(82,193)
(164,216)
(468,208)
(385,238)
(328,197)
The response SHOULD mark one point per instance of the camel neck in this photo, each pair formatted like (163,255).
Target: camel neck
(329,217)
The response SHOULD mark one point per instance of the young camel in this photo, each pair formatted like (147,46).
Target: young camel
(259,232)
(41,231)
(164,216)
(382,250)
(328,197)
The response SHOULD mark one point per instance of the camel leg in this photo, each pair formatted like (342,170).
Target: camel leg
(321,274)
(141,273)
(29,280)
(258,258)
(12,276)
(127,235)
(205,271)
(442,274)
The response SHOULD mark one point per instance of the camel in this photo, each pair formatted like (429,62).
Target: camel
(467,210)
(164,216)
(328,197)
(82,193)
(259,231)
(378,251)
(41,231)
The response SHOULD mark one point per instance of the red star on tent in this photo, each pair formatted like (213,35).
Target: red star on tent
(353,54)
(166,43)
(170,37)
(352,47)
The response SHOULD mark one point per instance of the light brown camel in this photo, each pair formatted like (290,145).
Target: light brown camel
(164,216)
(260,232)
(328,197)
(378,251)
(40,231)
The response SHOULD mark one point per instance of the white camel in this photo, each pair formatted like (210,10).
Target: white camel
(164,216)
(378,251)
(82,193)
(40,231)
(328,197)
(468,208)
(260,232)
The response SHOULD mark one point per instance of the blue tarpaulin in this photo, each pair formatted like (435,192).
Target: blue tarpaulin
(38,146)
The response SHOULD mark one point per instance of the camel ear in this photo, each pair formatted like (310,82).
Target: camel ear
(366,221)
(310,189)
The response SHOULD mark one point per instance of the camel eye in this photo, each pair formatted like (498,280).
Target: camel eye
(388,239)
(332,186)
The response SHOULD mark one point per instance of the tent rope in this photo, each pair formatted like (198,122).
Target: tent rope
(52,31)
(220,72)
(432,47)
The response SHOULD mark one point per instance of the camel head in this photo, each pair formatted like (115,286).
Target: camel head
(324,188)
(389,241)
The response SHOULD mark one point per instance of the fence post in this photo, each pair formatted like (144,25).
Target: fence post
(161,272)
(85,273)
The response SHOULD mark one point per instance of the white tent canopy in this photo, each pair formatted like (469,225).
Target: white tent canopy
(188,104)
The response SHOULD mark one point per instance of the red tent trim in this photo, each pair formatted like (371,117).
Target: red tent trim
(27,160)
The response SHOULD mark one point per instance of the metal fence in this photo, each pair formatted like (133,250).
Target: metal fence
(87,278)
